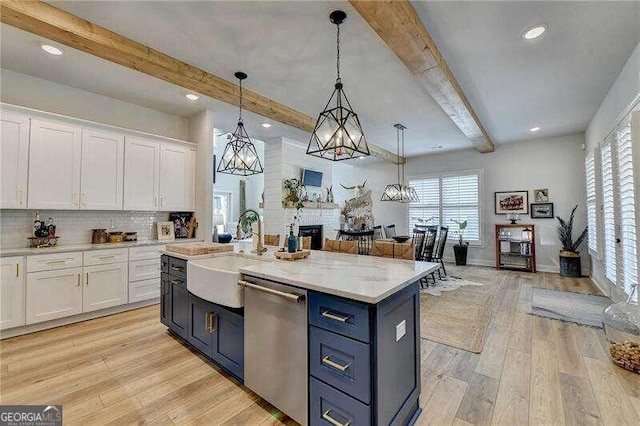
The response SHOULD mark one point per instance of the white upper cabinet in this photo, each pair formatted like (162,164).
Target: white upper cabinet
(54,165)
(176,177)
(14,158)
(102,175)
(141,174)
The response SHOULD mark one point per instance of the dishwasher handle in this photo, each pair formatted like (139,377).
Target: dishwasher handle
(289,296)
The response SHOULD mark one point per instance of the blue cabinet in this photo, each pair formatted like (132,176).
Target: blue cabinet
(215,331)
(364,360)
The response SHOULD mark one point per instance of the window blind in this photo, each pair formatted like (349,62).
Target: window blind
(608,209)
(590,178)
(445,198)
(626,193)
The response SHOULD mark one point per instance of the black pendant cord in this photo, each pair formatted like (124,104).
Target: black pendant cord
(240,118)
(403,176)
(398,149)
(338,56)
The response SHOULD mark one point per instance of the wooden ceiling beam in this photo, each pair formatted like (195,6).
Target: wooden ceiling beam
(397,23)
(58,25)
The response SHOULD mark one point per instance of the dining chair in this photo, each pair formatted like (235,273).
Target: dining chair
(382,249)
(377,232)
(418,242)
(439,250)
(349,247)
(271,240)
(306,243)
(331,245)
(390,231)
(404,251)
(364,239)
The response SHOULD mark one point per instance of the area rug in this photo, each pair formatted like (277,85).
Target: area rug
(458,312)
(448,284)
(579,308)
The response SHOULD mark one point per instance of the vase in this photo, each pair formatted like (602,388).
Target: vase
(292,242)
(460,252)
(622,328)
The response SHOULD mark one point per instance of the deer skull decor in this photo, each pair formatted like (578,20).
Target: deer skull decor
(358,189)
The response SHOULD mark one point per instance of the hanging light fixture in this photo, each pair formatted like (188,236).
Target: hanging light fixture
(240,156)
(338,134)
(400,192)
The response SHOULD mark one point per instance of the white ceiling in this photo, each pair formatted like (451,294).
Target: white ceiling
(288,50)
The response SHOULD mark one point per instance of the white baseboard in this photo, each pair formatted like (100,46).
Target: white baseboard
(31,328)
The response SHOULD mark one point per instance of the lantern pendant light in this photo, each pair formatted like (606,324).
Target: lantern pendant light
(400,192)
(338,134)
(240,156)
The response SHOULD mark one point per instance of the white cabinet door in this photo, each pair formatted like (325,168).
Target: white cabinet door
(190,182)
(54,166)
(14,160)
(141,174)
(102,175)
(53,294)
(144,290)
(104,286)
(11,292)
(174,176)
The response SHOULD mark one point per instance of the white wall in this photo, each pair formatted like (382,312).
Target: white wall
(32,92)
(378,174)
(201,132)
(553,163)
(625,90)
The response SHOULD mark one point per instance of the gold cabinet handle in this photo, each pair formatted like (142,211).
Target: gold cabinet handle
(327,416)
(107,257)
(79,280)
(87,279)
(327,361)
(209,322)
(177,268)
(335,317)
(17,270)
(175,282)
(56,262)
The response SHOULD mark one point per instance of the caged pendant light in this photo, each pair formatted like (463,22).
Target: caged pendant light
(338,134)
(240,156)
(400,192)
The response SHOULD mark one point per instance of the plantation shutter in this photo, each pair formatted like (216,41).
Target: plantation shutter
(608,210)
(428,207)
(627,215)
(460,202)
(590,177)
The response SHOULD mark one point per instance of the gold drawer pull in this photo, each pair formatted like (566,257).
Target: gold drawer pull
(175,282)
(327,361)
(106,257)
(56,262)
(327,416)
(177,268)
(209,322)
(335,317)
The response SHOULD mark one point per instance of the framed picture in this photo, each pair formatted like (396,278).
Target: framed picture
(166,231)
(512,202)
(181,223)
(542,210)
(541,195)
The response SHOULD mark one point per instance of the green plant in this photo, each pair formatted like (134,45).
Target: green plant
(462,226)
(565,232)
(294,197)
(247,220)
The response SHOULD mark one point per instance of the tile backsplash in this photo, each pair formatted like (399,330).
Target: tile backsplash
(74,227)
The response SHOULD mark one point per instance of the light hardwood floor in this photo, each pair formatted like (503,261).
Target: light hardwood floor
(126,369)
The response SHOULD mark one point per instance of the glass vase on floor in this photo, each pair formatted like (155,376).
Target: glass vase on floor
(622,328)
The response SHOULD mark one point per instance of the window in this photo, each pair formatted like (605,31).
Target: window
(608,210)
(590,172)
(625,189)
(448,197)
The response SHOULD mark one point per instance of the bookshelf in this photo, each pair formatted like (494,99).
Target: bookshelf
(516,247)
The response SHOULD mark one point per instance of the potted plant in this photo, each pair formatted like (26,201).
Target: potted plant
(294,198)
(570,265)
(460,249)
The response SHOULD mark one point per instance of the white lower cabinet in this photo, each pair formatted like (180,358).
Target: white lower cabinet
(104,286)
(144,290)
(11,292)
(53,294)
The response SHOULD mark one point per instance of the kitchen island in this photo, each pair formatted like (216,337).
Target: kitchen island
(332,339)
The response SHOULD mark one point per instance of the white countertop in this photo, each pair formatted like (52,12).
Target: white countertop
(26,251)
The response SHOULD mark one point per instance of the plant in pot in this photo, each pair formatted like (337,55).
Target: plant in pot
(570,265)
(460,249)
(294,198)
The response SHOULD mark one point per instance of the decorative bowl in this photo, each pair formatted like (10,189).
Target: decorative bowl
(224,237)
(401,238)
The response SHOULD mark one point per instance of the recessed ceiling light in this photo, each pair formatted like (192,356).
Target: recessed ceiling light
(534,32)
(192,96)
(435,147)
(266,125)
(362,157)
(52,50)
(534,129)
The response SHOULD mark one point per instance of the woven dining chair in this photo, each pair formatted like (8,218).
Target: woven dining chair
(349,247)
(382,249)
(272,240)
(306,243)
(331,245)
(404,251)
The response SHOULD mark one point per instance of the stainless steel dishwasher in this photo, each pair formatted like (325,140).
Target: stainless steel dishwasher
(275,336)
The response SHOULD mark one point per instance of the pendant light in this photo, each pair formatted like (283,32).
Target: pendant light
(240,156)
(400,192)
(338,134)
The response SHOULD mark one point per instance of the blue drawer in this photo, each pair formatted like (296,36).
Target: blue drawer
(342,316)
(342,362)
(329,407)
(178,267)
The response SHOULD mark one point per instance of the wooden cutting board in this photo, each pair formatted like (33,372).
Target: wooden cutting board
(292,256)
(195,249)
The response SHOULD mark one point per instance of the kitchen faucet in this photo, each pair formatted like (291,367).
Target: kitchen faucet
(260,249)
